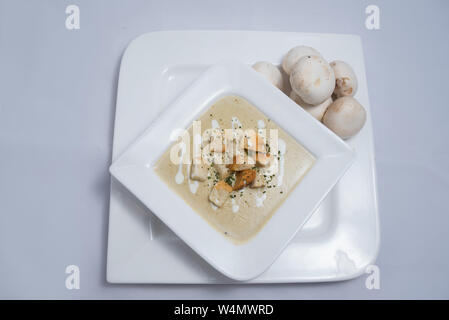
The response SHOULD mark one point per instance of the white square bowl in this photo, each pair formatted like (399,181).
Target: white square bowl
(135,170)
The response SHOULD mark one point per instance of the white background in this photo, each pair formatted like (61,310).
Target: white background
(57,104)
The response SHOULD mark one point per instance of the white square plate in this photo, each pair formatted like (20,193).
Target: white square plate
(337,243)
(135,169)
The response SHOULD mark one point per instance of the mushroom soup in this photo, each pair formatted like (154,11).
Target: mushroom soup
(237,167)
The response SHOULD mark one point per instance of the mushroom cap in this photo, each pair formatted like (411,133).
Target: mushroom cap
(345,116)
(296,53)
(312,79)
(345,79)
(270,71)
(316,111)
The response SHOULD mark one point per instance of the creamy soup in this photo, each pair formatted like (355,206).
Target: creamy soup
(245,167)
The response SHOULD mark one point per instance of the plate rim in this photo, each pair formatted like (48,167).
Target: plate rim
(360,270)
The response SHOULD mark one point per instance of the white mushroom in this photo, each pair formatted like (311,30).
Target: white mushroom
(269,71)
(316,111)
(345,116)
(312,79)
(296,53)
(345,79)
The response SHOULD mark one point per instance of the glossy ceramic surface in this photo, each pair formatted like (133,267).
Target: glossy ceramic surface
(337,243)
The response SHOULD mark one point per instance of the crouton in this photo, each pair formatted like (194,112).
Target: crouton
(263,159)
(259,181)
(254,142)
(241,162)
(244,178)
(217,145)
(220,193)
(198,171)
